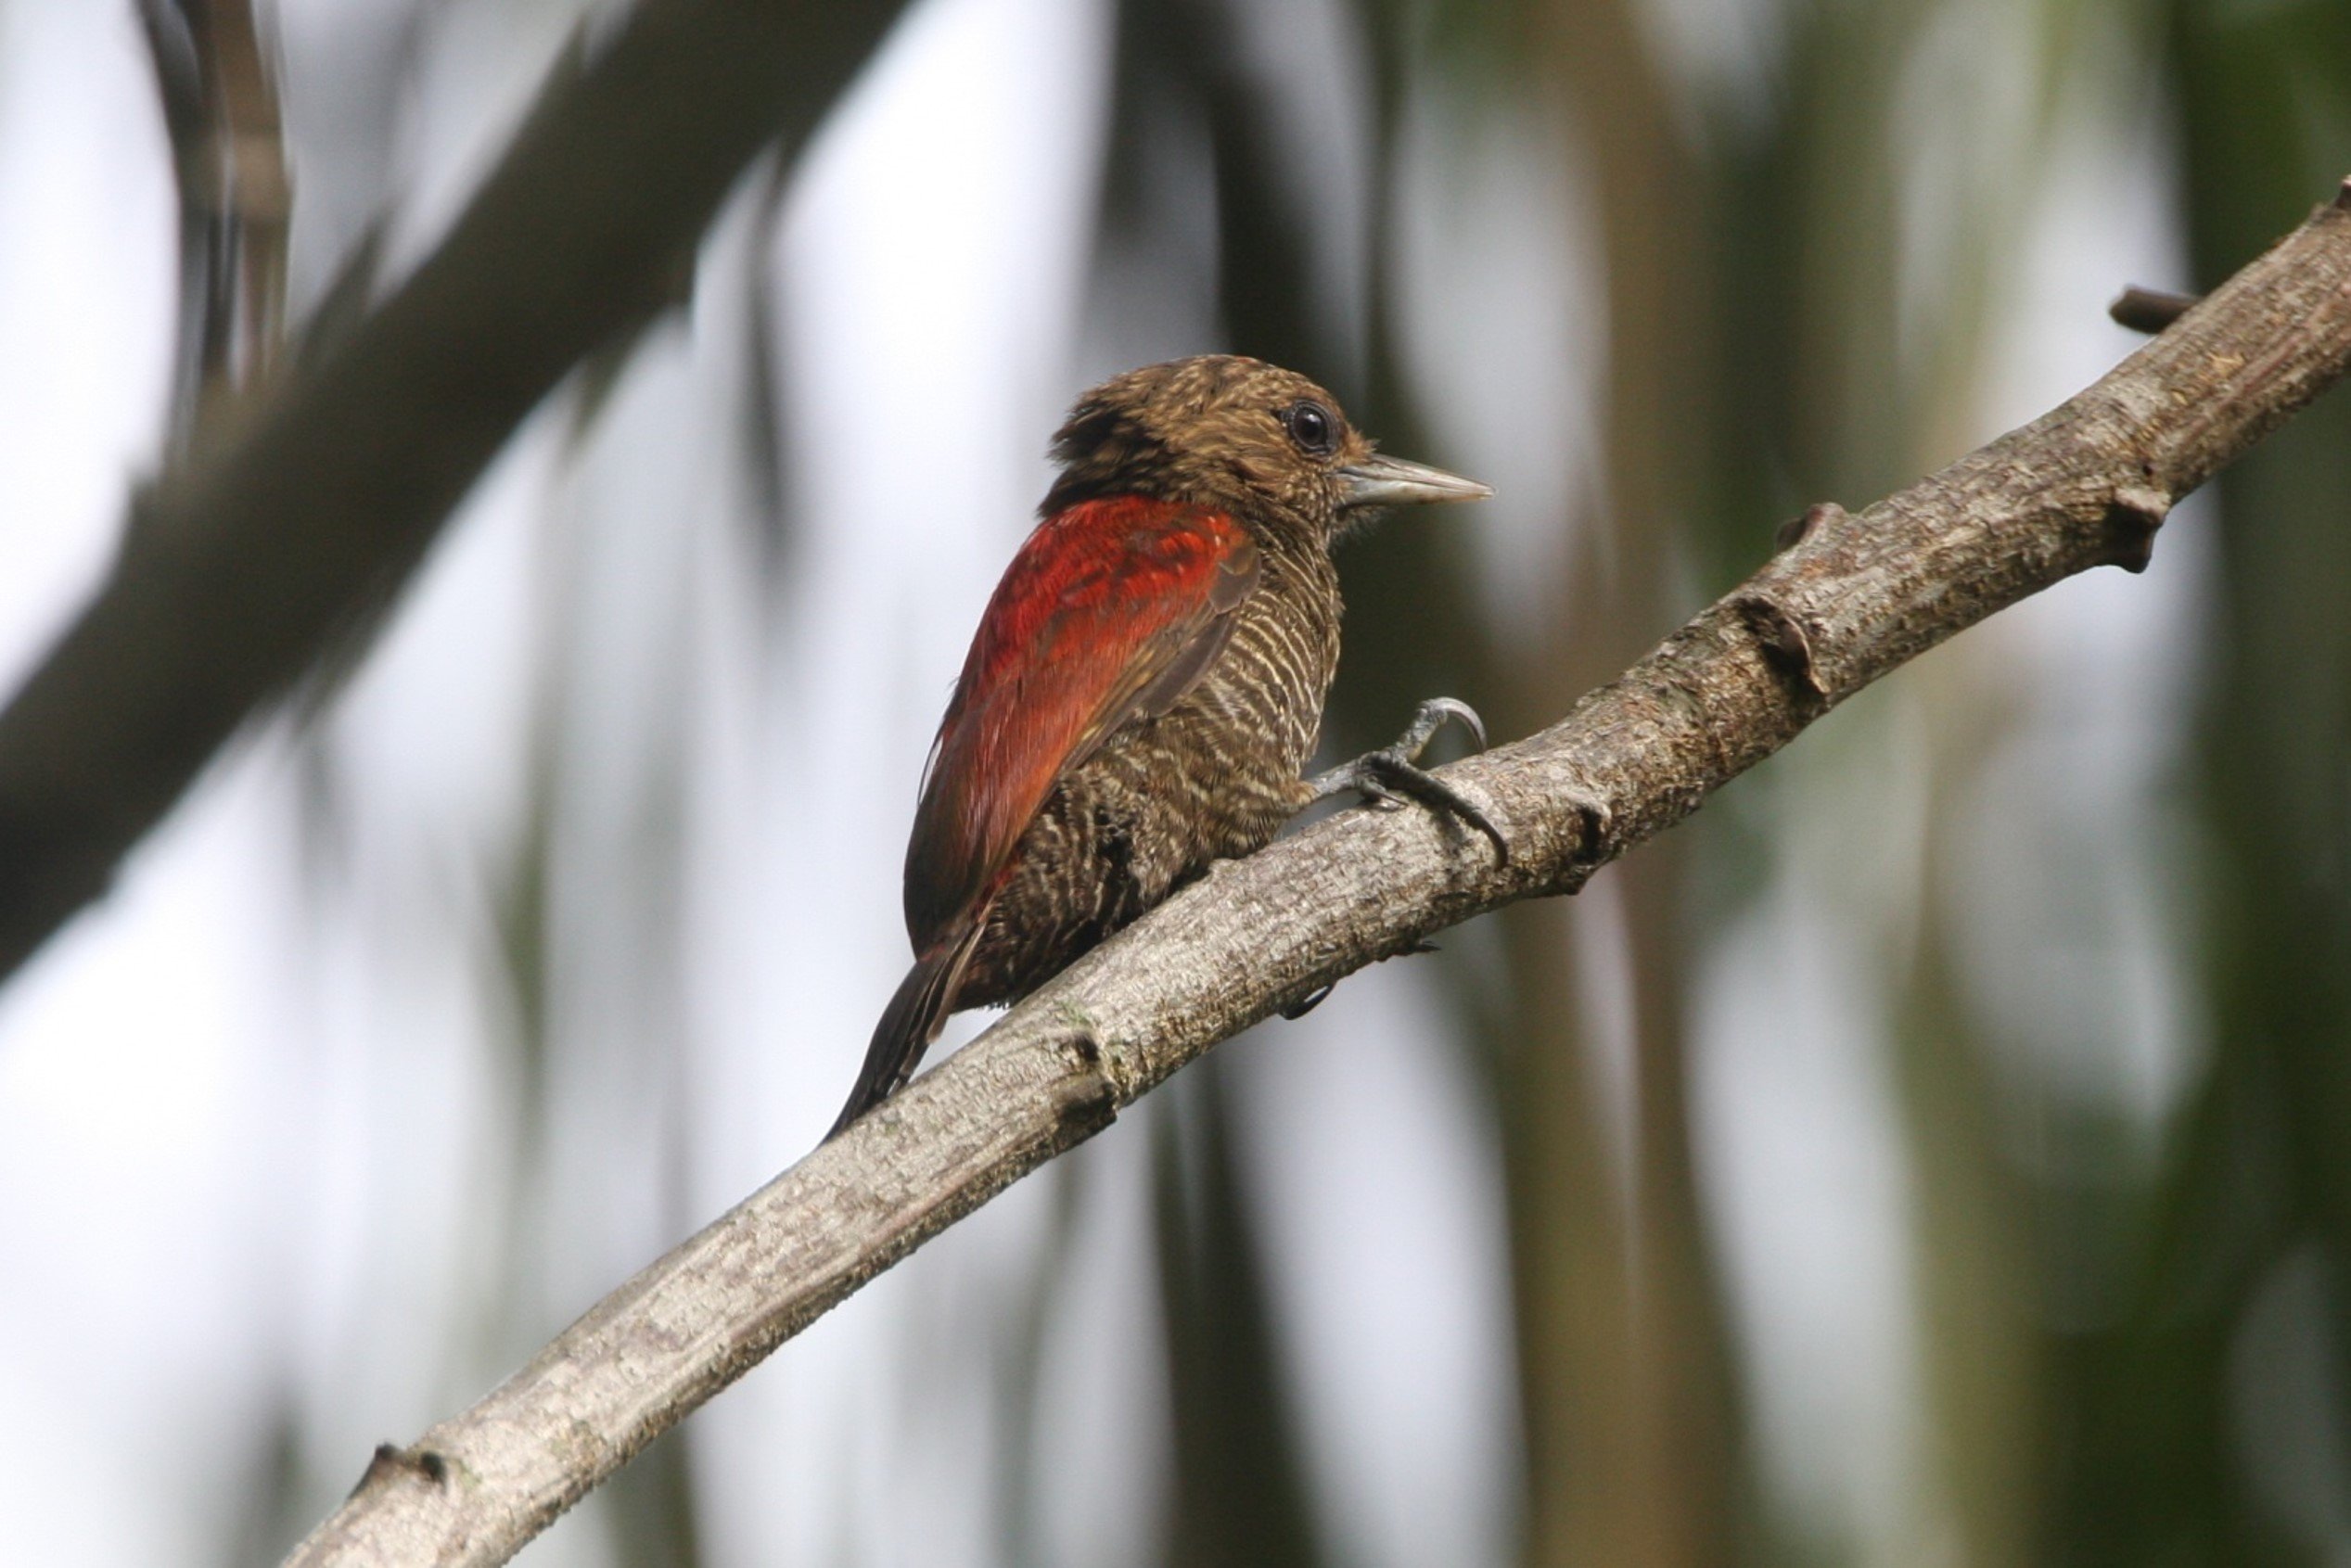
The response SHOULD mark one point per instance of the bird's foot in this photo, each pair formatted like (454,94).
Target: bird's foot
(1392,775)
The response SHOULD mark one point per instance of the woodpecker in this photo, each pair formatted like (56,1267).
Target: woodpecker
(1146,684)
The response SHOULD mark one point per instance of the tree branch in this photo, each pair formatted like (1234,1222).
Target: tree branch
(248,559)
(228,157)
(1850,599)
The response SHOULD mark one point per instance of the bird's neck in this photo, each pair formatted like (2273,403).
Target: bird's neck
(1304,582)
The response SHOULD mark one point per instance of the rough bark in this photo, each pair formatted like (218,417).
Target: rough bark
(247,561)
(1850,598)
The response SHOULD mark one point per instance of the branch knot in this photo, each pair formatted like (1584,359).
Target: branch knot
(1785,644)
(1087,1101)
(1818,515)
(2134,514)
(390,1460)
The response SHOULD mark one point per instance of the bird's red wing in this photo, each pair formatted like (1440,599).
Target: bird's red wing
(1113,609)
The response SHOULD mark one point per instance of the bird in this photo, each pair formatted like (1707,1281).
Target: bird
(1146,684)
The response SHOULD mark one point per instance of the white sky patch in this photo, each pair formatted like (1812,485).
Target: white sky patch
(137,1065)
(2077,862)
(1502,328)
(1599,947)
(932,245)
(148,1121)
(88,287)
(342,90)
(1806,1183)
(1102,1430)
(1377,1167)
(2056,898)
(1800,1133)
(1315,51)
(1966,121)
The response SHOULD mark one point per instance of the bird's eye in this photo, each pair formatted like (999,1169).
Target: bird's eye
(1313,426)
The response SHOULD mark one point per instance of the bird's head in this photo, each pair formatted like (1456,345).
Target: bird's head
(1260,443)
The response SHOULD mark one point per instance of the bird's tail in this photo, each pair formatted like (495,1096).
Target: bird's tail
(909,1023)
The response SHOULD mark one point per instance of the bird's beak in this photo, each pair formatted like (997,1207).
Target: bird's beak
(1380,481)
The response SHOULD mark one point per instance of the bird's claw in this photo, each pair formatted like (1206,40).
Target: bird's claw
(1429,718)
(1392,775)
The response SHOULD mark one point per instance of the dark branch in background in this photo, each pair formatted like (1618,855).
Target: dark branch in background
(1850,599)
(228,163)
(248,557)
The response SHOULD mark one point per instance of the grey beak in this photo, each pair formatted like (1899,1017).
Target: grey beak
(1381,480)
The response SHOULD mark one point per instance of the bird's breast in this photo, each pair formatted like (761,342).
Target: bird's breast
(1260,708)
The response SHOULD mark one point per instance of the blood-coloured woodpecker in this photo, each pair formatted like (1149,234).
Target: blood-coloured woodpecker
(1146,685)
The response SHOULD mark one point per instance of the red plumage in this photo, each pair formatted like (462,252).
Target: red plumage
(1111,608)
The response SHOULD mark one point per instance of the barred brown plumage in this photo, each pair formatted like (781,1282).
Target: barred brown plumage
(1146,685)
